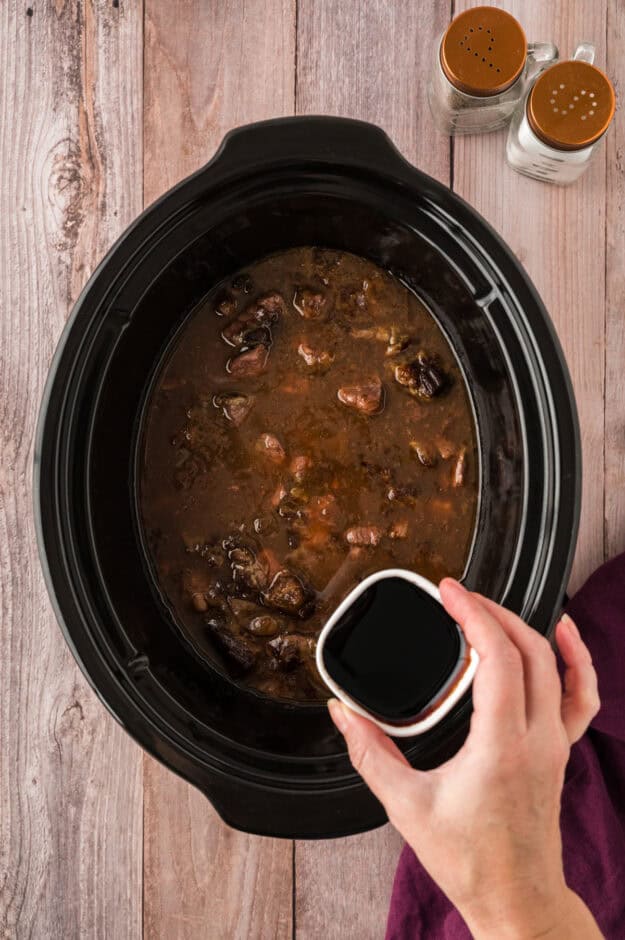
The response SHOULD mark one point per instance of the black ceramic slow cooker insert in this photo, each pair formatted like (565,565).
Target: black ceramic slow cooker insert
(270,767)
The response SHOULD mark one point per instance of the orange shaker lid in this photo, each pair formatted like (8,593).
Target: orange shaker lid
(483,51)
(571,105)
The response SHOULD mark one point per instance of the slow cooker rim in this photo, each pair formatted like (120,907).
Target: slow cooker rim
(86,299)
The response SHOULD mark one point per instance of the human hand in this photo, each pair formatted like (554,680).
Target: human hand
(486,824)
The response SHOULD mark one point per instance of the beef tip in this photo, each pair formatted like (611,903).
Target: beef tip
(394,339)
(258,336)
(423,377)
(310,304)
(265,525)
(403,494)
(425,454)
(270,446)
(243,610)
(264,625)
(364,535)
(367,398)
(290,649)
(248,569)
(287,652)
(397,342)
(263,312)
(287,593)
(225,305)
(250,363)
(239,656)
(242,284)
(460,469)
(235,406)
(319,361)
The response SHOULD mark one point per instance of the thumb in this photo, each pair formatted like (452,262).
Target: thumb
(381,764)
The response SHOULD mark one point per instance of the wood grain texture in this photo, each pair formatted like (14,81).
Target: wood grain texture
(209,67)
(70,170)
(203,879)
(371,61)
(615,296)
(367,61)
(558,233)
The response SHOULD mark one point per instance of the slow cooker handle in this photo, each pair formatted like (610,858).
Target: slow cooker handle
(281,142)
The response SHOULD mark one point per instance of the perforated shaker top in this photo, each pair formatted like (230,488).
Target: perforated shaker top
(571,105)
(483,51)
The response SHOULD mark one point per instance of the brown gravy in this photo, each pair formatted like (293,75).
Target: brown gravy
(310,426)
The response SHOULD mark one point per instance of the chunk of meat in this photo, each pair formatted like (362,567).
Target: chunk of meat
(237,653)
(425,454)
(364,535)
(234,406)
(319,360)
(395,340)
(460,469)
(310,304)
(287,593)
(225,305)
(402,494)
(367,398)
(270,447)
(243,610)
(265,524)
(263,312)
(423,377)
(248,568)
(264,625)
(290,649)
(249,363)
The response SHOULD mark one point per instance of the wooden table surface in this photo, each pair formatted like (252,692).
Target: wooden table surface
(103,106)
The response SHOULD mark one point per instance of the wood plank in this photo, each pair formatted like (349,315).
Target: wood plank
(208,67)
(70,171)
(558,233)
(615,297)
(371,62)
(203,879)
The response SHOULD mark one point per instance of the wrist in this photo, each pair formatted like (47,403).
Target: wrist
(565,916)
(532,914)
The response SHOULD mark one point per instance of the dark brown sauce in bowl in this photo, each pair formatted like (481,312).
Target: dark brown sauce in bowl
(311,426)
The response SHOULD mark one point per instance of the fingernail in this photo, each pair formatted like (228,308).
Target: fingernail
(452,582)
(570,626)
(338,714)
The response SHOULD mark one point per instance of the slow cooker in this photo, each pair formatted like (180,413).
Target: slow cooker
(270,767)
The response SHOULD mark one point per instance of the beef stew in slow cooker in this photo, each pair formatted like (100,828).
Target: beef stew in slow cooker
(311,426)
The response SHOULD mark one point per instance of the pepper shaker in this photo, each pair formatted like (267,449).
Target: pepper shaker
(481,71)
(558,126)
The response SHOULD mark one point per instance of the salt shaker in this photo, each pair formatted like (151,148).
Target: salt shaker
(557,128)
(483,65)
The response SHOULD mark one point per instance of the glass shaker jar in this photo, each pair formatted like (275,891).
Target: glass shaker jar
(556,130)
(482,69)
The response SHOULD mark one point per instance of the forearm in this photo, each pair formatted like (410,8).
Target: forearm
(569,917)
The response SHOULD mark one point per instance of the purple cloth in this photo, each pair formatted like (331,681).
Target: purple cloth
(593,799)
